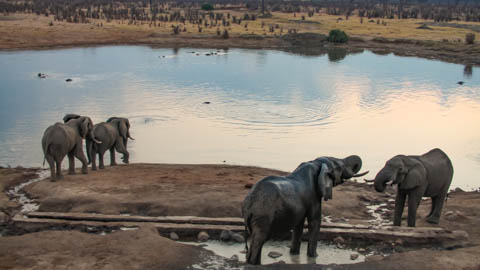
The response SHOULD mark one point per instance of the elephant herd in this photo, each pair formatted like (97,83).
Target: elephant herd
(66,138)
(279,204)
(276,204)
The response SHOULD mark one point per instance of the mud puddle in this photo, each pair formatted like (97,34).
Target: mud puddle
(17,194)
(327,254)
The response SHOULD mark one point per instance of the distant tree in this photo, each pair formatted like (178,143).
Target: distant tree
(207,6)
(337,36)
(470,38)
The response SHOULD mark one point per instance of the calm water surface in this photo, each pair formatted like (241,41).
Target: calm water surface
(267,108)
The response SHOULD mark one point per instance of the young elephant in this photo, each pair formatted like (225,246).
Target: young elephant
(113,134)
(62,139)
(428,175)
(276,204)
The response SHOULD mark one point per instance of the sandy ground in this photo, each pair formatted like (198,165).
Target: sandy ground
(201,190)
(27,31)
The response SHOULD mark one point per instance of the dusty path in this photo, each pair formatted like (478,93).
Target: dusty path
(202,190)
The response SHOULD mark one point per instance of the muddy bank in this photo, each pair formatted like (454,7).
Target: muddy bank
(9,178)
(207,190)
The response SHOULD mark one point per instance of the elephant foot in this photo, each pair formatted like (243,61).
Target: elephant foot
(433,220)
(101,167)
(53,179)
(113,164)
(312,254)
(71,172)
(85,171)
(295,252)
(94,169)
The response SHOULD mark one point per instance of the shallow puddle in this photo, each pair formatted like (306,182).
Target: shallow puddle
(327,254)
(28,205)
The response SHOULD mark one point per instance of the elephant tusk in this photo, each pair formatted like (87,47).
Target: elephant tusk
(360,174)
(369,181)
(96,141)
(130,137)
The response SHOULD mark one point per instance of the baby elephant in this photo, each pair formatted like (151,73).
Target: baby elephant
(114,135)
(428,175)
(62,139)
(277,204)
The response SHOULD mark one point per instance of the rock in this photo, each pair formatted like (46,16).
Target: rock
(206,102)
(459,190)
(281,262)
(234,258)
(274,254)
(203,236)
(339,240)
(362,250)
(174,236)
(353,257)
(3,218)
(374,258)
(460,82)
(248,185)
(68,80)
(399,242)
(225,235)
(203,245)
(237,238)
(454,216)
(243,251)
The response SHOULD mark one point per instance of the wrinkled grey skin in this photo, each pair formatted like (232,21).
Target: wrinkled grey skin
(114,135)
(428,175)
(277,204)
(61,139)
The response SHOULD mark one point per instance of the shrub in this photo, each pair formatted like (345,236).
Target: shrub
(470,38)
(337,36)
(207,6)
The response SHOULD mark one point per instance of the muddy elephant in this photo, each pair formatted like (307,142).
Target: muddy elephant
(428,175)
(63,139)
(277,204)
(114,135)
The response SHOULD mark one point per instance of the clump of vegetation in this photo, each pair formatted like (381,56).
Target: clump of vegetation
(207,6)
(337,36)
(470,38)
(225,34)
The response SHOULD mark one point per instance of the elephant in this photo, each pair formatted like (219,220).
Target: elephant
(114,135)
(428,175)
(277,204)
(63,139)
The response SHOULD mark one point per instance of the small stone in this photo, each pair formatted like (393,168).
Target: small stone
(274,254)
(174,236)
(234,258)
(248,185)
(203,236)
(459,190)
(353,257)
(237,238)
(374,258)
(203,245)
(68,80)
(206,102)
(225,235)
(281,262)
(362,250)
(339,240)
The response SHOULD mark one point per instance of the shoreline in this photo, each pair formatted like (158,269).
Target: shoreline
(313,47)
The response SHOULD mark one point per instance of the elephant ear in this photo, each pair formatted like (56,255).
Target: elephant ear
(70,116)
(324,183)
(122,128)
(413,178)
(85,125)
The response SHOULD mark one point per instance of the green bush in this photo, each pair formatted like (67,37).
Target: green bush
(337,36)
(470,38)
(207,6)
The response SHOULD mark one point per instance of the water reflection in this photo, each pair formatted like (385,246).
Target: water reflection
(266,108)
(468,71)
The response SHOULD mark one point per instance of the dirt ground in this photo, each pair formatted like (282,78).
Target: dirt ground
(199,190)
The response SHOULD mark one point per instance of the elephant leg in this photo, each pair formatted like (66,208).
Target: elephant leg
(297,238)
(93,158)
(313,228)
(112,156)
(432,208)
(399,205)
(101,165)
(414,199)
(51,164)
(120,147)
(254,255)
(81,156)
(438,201)
(58,162)
(71,163)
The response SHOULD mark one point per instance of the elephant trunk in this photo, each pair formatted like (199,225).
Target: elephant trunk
(382,178)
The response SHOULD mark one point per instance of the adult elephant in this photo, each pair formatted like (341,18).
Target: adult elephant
(277,204)
(428,175)
(63,139)
(114,135)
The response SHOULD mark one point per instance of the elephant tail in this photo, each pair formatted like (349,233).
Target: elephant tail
(247,232)
(45,153)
